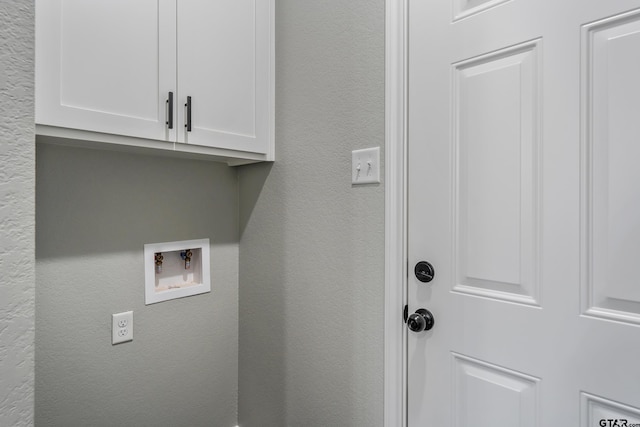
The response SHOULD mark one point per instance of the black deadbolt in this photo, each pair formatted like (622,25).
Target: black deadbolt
(424,271)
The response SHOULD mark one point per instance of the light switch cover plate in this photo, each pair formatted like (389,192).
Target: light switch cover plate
(365,166)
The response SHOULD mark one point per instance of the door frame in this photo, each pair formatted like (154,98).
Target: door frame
(395,334)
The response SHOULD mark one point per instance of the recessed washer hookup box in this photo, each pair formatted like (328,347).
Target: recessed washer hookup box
(176,270)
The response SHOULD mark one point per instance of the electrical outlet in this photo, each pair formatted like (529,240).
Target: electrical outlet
(122,327)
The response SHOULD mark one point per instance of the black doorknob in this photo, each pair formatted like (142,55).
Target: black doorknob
(421,320)
(424,271)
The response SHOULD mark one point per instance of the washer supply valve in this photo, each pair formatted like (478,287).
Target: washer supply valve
(186,256)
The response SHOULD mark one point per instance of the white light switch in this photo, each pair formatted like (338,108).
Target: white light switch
(365,166)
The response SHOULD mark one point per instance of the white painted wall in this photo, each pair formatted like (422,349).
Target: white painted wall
(17,227)
(312,271)
(312,246)
(95,211)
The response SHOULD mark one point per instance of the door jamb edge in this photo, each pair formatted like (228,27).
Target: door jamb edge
(395,335)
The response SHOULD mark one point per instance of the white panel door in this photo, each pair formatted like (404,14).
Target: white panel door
(223,66)
(524,194)
(106,66)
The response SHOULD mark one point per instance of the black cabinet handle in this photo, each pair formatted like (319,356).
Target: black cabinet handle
(170,111)
(188,105)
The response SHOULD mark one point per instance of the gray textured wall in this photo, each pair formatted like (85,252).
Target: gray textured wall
(17,180)
(312,246)
(95,211)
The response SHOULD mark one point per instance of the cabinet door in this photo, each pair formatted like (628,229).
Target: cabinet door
(224,51)
(106,65)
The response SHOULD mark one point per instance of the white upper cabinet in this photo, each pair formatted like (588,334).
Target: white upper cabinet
(192,76)
(224,41)
(105,66)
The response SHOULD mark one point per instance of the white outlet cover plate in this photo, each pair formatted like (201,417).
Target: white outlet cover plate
(122,327)
(368,161)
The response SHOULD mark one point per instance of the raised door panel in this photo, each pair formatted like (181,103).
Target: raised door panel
(465,8)
(597,411)
(496,134)
(105,66)
(224,51)
(489,395)
(611,221)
